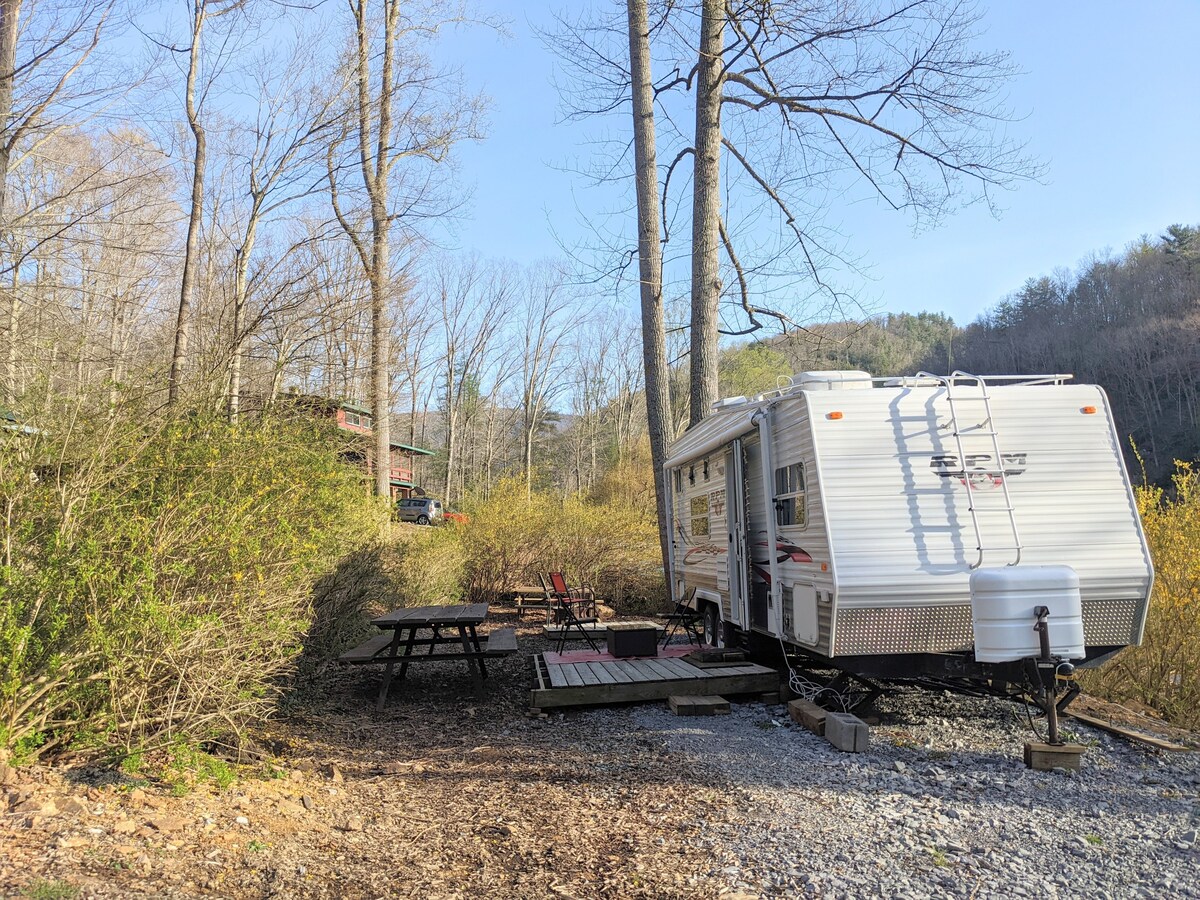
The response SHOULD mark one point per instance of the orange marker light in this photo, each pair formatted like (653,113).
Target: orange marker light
(1089,410)
(824,567)
(833,415)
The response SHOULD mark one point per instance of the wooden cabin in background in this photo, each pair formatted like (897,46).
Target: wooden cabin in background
(359,420)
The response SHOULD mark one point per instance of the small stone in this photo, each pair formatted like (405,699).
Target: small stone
(333,773)
(166,823)
(291,808)
(1188,837)
(242,820)
(75,807)
(307,801)
(125,826)
(354,823)
(900,767)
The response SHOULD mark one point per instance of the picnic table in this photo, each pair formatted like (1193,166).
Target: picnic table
(531,596)
(400,639)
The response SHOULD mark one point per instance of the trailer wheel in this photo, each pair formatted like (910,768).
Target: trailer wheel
(712,626)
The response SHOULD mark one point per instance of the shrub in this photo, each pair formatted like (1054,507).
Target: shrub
(157,575)
(1164,672)
(512,537)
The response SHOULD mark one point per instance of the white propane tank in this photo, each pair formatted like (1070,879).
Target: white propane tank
(1003,601)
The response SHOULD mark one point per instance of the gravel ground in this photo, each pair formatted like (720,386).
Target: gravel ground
(940,806)
(447,796)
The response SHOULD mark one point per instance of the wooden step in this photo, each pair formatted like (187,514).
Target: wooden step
(698,706)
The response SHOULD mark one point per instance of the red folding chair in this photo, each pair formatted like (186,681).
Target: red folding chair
(567,606)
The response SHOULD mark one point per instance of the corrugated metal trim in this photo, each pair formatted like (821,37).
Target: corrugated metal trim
(916,629)
(945,629)
(1111,623)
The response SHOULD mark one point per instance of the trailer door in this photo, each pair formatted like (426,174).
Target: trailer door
(735,499)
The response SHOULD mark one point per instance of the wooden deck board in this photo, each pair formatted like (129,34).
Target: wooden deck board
(557,678)
(632,672)
(682,669)
(588,675)
(607,674)
(633,680)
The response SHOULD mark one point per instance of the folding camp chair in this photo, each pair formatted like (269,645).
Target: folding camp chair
(582,598)
(686,618)
(567,607)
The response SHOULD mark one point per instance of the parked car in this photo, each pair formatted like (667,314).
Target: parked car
(422,510)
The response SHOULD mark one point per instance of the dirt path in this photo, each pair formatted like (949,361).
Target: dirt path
(442,795)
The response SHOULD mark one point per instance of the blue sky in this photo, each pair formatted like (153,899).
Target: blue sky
(1108,98)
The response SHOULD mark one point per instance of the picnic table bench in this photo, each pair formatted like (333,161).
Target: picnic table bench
(400,638)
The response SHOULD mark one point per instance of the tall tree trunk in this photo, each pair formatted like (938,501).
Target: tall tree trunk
(241,268)
(12,389)
(10,11)
(380,382)
(191,248)
(706,211)
(654,341)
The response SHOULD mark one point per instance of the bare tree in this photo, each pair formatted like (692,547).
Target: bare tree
(403,130)
(201,11)
(706,209)
(545,326)
(650,263)
(472,302)
(896,96)
(277,166)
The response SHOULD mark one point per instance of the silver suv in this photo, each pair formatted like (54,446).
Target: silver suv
(422,510)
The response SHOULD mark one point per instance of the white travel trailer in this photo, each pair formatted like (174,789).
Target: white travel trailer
(844,515)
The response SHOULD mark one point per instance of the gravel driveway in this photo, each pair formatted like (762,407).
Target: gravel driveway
(941,806)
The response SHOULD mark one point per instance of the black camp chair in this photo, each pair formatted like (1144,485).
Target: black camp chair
(690,620)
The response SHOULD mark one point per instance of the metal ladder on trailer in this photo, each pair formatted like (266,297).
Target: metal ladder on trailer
(995,472)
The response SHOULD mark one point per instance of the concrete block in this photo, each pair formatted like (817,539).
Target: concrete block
(1044,757)
(698,706)
(808,714)
(846,732)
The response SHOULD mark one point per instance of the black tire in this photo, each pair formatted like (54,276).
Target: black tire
(712,625)
(422,519)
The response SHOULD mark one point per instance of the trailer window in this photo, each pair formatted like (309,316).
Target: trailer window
(789,495)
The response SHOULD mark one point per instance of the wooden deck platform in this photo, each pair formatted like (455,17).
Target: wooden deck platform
(632,680)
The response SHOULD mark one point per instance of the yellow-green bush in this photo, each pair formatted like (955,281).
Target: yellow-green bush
(425,565)
(512,537)
(1164,672)
(157,574)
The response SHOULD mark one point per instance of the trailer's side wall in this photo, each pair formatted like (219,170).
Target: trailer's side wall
(899,520)
(802,549)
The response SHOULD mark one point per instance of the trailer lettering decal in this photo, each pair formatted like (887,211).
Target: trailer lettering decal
(978,467)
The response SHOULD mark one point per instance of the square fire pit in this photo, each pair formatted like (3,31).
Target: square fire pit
(632,639)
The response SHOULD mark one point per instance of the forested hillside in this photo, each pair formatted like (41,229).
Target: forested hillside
(1130,323)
